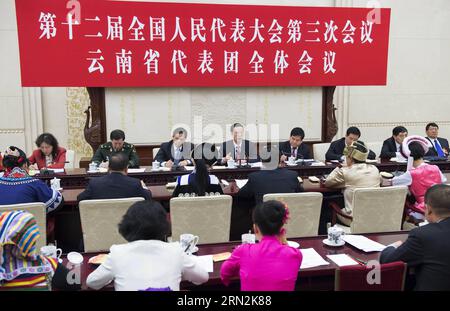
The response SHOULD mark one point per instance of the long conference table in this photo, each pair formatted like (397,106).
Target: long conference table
(79,177)
(316,278)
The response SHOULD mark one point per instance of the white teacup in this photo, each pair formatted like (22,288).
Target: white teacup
(155,165)
(92,166)
(231,163)
(291,160)
(248,238)
(335,235)
(51,251)
(55,183)
(188,242)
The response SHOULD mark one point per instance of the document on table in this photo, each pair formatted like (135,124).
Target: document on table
(206,262)
(363,243)
(241,182)
(342,260)
(312,259)
(136,170)
(189,168)
(256,165)
(56,170)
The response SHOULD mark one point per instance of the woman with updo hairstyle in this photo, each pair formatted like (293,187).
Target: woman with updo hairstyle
(271,264)
(419,178)
(49,154)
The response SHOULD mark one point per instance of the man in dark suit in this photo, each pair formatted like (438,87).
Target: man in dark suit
(336,150)
(440,145)
(239,148)
(427,248)
(280,180)
(392,146)
(115,185)
(177,151)
(294,146)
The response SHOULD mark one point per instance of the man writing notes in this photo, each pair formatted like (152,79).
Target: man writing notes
(117,145)
(239,148)
(176,152)
(336,150)
(295,147)
(440,145)
(392,146)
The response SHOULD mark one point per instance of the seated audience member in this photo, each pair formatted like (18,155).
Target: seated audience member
(269,265)
(16,186)
(176,152)
(1,162)
(115,146)
(419,177)
(336,150)
(392,146)
(280,180)
(440,145)
(147,262)
(294,146)
(116,184)
(48,154)
(427,248)
(239,148)
(199,181)
(356,174)
(21,266)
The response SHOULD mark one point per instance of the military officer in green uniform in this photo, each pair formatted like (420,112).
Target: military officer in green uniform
(115,146)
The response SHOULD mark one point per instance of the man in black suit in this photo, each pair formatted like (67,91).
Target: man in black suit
(392,146)
(115,185)
(177,151)
(440,145)
(259,183)
(239,148)
(336,150)
(294,146)
(427,248)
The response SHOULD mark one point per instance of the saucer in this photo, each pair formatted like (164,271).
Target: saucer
(327,242)
(293,244)
(194,250)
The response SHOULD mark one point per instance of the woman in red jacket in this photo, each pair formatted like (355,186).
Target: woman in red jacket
(49,154)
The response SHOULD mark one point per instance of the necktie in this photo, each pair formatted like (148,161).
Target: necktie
(238,152)
(438,148)
(294,152)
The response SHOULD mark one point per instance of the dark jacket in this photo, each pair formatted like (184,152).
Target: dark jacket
(389,149)
(114,186)
(336,150)
(281,180)
(187,184)
(250,150)
(427,249)
(432,152)
(303,151)
(165,152)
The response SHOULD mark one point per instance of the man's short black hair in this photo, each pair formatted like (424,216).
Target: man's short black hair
(431,124)
(399,129)
(179,130)
(144,220)
(353,130)
(269,217)
(438,197)
(117,135)
(118,162)
(298,131)
(235,125)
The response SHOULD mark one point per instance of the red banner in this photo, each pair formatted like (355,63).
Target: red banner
(131,44)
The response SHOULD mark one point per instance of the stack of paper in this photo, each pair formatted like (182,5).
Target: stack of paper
(342,260)
(363,243)
(171,185)
(317,164)
(136,170)
(241,182)
(257,164)
(206,262)
(219,167)
(189,168)
(56,170)
(312,259)
(399,160)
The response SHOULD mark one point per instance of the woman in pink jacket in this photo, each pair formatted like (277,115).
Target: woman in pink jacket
(270,265)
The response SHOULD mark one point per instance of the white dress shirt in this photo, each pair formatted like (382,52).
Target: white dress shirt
(145,264)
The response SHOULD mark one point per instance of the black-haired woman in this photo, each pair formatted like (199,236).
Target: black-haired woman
(48,154)
(269,265)
(199,182)
(147,262)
